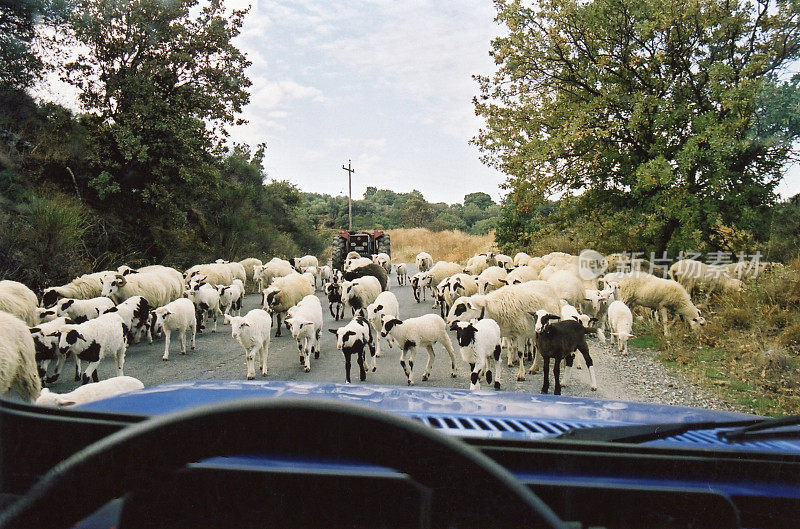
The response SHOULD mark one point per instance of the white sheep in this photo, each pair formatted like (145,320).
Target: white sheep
(81,310)
(325,274)
(305,324)
(418,287)
(509,307)
(521,259)
(489,279)
(267,273)
(402,273)
(249,266)
(311,278)
(385,261)
(423,331)
(350,340)
(307,260)
(424,261)
(43,315)
(698,276)
(45,341)
(215,273)
(521,274)
(206,302)
(105,389)
(83,287)
(480,348)
(568,286)
(440,271)
(158,287)
(620,319)
(93,340)
(18,359)
(284,293)
(663,295)
(19,300)
(173,280)
(252,333)
(359,293)
(478,263)
(230,297)
(135,313)
(504,261)
(568,312)
(385,304)
(460,285)
(178,315)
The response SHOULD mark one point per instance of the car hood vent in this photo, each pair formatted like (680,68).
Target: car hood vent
(497,427)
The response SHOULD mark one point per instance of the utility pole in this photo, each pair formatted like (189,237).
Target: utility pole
(350,172)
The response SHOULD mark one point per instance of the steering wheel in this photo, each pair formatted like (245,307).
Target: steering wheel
(459,474)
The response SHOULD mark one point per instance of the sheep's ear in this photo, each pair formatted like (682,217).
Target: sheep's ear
(332,331)
(503,281)
(379,307)
(73,336)
(61,401)
(244,324)
(34,330)
(228,318)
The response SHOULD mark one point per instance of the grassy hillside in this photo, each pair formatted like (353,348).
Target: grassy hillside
(448,245)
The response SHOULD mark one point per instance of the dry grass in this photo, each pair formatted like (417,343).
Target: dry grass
(442,245)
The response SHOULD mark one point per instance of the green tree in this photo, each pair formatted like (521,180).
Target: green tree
(674,112)
(480,199)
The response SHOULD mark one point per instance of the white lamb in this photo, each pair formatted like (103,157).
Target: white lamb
(620,319)
(206,302)
(252,333)
(17,359)
(93,340)
(489,279)
(325,274)
(81,310)
(359,293)
(178,315)
(43,315)
(104,389)
(83,287)
(230,297)
(385,304)
(480,348)
(424,261)
(385,261)
(284,293)
(305,324)
(19,300)
(402,273)
(423,331)
(135,313)
(351,339)
(45,341)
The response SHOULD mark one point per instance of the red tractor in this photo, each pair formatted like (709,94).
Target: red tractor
(365,243)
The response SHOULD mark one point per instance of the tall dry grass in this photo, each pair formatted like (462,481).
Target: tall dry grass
(447,245)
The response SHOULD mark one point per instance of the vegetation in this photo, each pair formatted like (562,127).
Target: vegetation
(664,124)
(385,209)
(448,245)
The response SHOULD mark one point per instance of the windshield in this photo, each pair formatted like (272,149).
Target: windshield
(588,199)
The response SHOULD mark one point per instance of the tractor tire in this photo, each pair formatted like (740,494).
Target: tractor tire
(385,244)
(338,252)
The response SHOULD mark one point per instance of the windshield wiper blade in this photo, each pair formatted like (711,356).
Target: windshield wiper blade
(641,433)
(764,429)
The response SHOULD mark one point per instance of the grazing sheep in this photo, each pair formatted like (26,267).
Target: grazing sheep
(620,319)
(93,340)
(135,312)
(83,287)
(18,359)
(423,331)
(284,293)
(504,261)
(19,300)
(81,310)
(696,276)
(178,315)
(305,323)
(370,269)
(509,307)
(558,341)
(206,302)
(267,273)
(521,259)
(252,333)
(333,291)
(350,340)
(385,304)
(402,274)
(663,295)
(45,342)
(480,348)
(424,261)
(359,293)
(157,287)
(522,274)
(90,392)
(385,261)
(489,279)
(230,297)
(301,262)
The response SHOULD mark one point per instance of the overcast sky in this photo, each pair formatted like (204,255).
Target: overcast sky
(386,83)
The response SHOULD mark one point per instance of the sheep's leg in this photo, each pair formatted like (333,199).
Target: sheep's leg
(119,359)
(584,349)
(557,376)
(362,373)
(167,335)
(307,354)
(507,346)
(568,361)
(193,329)
(182,339)
(347,367)
(278,319)
(215,313)
(60,359)
(372,350)
(448,346)
(263,357)
(521,358)
(316,344)
(91,372)
(409,370)
(475,376)
(546,375)
(330,308)
(251,363)
(431,355)
(495,361)
(537,358)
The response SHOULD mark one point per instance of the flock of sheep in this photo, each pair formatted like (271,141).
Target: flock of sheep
(530,307)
